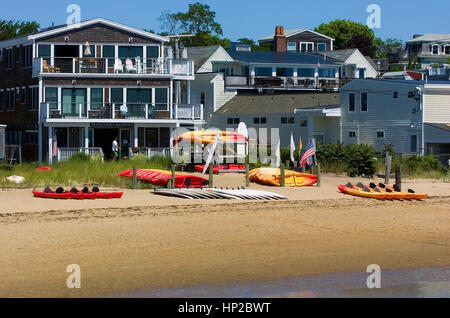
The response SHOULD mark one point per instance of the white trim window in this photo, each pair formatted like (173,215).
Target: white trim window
(352,134)
(447,49)
(351,102)
(380,134)
(306,46)
(28,55)
(321,47)
(435,49)
(292,46)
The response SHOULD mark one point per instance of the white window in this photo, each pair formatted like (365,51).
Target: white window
(352,134)
(435,49)
(380,134)
(321,47)
(306,46)
(447,49)
(292,46)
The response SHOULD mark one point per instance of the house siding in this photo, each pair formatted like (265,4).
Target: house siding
(397,118)
(437,105)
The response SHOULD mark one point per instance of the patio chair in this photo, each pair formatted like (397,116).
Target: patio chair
(48,68)
(130,68)
(118,66)
(123,111)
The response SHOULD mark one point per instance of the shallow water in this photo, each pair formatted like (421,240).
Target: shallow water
(414,283)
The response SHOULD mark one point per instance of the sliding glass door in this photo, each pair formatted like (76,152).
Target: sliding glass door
(72,98)
(136,100)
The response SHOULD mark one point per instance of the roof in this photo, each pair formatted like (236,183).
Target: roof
(64,28)
(341,55)
(282,58)
(279,103)
(397,81)
(289,33)
(431,37)
(445,127)
(201,54)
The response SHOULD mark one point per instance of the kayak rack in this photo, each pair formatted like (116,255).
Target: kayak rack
(220,194)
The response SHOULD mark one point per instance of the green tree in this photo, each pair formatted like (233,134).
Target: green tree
(364,44)
(343,31)
(384,46)
(11,29)
(198,20)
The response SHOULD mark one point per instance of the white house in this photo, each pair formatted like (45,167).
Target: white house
(413,116)
(356,65)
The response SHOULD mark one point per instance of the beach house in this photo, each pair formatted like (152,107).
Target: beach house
(77,87)
(429,49)
(412,116)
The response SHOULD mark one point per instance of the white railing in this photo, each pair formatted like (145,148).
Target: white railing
(188,112)
(138,65)
(2,143)
(65,154)
(163,152)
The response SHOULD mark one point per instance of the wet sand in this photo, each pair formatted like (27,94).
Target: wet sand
(143,241)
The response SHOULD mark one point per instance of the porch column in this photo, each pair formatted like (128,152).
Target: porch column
(188,93)
(86,137)
(40,142)
(172,148)
(50,144)
(136,139)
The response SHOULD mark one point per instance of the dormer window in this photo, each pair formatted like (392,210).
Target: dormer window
(435,49)
(447,49)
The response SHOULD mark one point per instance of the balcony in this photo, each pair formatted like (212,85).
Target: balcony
(118,113)
(285,83)
(118,67)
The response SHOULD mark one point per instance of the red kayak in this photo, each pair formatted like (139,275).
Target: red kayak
(78,196)
(43,169)
(161,178)
(223,168)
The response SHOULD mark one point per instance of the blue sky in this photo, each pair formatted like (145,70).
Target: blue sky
(248,18)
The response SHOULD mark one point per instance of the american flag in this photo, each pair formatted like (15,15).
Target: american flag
(308,155)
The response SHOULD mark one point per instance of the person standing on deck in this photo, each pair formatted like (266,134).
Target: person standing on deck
(115,149)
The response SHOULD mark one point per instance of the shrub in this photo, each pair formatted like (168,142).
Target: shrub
(423,166)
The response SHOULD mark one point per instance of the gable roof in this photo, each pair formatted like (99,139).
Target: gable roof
(279,103)
(202,54)
(64,28)
(103,21)
(289,33)
(445,127)
(431,37)
(263,57)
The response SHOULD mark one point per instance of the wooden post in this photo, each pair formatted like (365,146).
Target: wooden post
(398,177)
(247,175)
(283,176)
(388,168)
(318,175)
(134,178)
(211,175)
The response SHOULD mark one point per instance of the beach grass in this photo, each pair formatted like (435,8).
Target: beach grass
(79,171)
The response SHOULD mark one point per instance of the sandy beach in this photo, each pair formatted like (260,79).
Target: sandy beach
(145,241)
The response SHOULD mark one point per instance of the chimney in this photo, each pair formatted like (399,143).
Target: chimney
(280,42)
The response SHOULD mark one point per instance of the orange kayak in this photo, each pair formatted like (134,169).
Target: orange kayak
(272,177)
(379,193)
(209,136)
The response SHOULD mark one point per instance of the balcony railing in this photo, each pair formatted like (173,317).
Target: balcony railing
(118,111)
(282,82)
(137,66)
